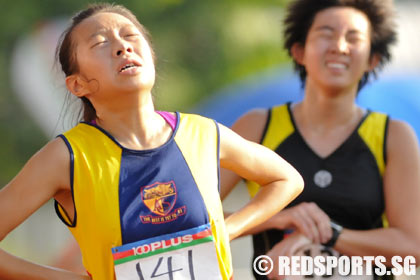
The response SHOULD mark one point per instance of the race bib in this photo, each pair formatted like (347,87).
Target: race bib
(313,250)
(184,255)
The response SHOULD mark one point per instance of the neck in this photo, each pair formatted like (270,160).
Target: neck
(328,109)
(133,122)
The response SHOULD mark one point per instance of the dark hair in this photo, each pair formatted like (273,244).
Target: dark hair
(65,51)
(301,14)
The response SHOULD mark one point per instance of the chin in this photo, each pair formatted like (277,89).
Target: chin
(136,85)
(339,84)
(338,89)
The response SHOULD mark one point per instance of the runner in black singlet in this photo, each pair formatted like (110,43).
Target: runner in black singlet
(361,170)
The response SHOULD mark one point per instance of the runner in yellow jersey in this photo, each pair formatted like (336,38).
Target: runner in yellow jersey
(138,188)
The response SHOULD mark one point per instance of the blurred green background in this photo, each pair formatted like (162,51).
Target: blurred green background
(201,46)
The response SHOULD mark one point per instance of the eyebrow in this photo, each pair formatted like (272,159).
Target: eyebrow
(102,30)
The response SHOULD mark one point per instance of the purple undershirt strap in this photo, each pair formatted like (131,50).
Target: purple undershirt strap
(169,118)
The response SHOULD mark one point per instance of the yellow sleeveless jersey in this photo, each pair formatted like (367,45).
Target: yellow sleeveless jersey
(122,195)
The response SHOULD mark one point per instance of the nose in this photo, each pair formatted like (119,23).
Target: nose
(121,47)
(340,45)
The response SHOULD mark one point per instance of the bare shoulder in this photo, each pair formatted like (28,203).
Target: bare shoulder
(55,151)
(46,174)
(401,137)
(251,125)
(403,155)
(50,165)
(59,157)
(401,178)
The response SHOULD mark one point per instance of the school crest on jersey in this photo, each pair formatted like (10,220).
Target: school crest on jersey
(160,199)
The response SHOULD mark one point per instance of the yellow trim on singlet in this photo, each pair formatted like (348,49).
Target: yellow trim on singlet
(200,151)
(63,214)
(372,131)
(280,127)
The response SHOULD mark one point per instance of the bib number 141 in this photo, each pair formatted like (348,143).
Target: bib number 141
(170,269)
(186,255)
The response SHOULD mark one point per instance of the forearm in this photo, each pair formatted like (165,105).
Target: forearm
(267,225)
(12,267)
(254,216)
(387,242)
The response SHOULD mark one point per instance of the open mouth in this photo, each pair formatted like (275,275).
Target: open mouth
(127,67)
(336,65)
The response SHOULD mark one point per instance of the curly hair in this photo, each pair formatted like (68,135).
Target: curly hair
(300,15)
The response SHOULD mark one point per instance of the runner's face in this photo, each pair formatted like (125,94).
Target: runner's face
(113,53)
(337,49)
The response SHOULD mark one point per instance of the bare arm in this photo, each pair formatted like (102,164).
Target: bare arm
(250,126)
(280,182)
(402,196)
(306,218)
(45,175)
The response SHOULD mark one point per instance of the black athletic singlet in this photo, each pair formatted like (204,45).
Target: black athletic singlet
(347,184)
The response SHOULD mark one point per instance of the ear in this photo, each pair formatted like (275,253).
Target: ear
(76,85)
(374,61)
(297,52)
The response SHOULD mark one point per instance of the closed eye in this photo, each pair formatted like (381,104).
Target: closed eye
(132,36)
(325,33)
(355,37)
(98,43)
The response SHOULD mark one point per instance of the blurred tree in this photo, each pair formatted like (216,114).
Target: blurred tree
(201,46)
